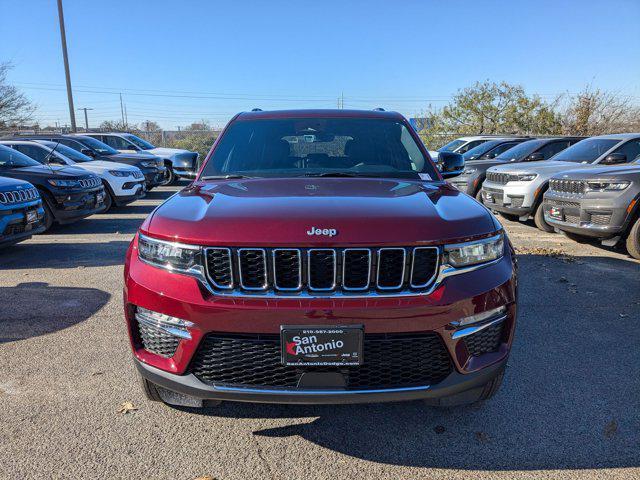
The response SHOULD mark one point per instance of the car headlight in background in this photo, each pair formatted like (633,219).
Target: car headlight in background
(175,257)
(607,186)
(149,163)
(526,177)
(476,252)
(469,171)
(121,173)
(63,183)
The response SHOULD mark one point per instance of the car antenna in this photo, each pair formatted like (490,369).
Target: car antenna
(49,155)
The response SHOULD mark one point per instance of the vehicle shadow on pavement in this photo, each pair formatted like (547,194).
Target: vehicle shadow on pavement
(32,256)
(570,399)
(99,224)
(33,309)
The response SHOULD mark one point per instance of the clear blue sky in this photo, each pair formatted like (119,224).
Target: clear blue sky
(235,55)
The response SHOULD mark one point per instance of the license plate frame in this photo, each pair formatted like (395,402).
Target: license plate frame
(30,217)
(556,212)
(320,345)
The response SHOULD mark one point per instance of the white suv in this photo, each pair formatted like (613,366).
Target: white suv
(517,189)
(463,144)
(123,183)
(179,162)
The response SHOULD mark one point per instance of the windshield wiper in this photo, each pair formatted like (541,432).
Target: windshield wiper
(224,177)
(331,174)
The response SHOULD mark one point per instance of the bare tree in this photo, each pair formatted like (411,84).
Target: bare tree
(15,108)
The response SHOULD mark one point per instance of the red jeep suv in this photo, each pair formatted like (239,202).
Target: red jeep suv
(319,257)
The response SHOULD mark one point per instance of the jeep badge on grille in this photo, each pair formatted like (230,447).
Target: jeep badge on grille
(327,232)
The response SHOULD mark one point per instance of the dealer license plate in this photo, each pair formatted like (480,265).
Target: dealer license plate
(321,346)
(31,217)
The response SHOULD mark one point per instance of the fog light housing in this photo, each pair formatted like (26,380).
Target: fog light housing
(170,325)
(480,317)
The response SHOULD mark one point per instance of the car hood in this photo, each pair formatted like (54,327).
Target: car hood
(546,168)
(167,152)
(102,166)
(12,183)
(132,158)
(52,171)
(628,172)
(272,212)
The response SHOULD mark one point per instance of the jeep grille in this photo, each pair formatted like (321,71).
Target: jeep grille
(350,271)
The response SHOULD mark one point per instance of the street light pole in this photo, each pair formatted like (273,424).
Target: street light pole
(63,38)
(86,119)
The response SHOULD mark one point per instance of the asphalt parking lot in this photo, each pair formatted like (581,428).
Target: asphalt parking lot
(569,407)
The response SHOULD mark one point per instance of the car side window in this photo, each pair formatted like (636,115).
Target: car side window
(70,143)
(550,149)
(116,142)
(498,150)
(469,146)
(37,153)
(631,149)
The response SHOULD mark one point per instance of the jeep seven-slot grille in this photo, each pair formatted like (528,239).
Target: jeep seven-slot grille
(390,361)
(567,186)
(321,270)
(500,178)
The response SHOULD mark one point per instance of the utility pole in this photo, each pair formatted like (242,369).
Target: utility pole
(63,38)
(126,118)
(121,109)
(342,100)
(86,119)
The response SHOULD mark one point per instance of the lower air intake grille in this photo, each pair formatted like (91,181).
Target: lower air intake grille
(156,340)
(600,218)
(485,341)
(390,361)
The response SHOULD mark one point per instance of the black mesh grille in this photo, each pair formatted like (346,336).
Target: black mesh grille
(219,267)
(155,340)
(390,361)
(391,268)
(287,271)
(356,269)
(600,218)
(567,186)
(485,341)
(253,274)
(425,263)
(322,265)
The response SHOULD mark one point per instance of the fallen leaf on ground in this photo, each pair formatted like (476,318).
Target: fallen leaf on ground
(127,407)
(482,437)
(623,315)
(206,477)
(610,429)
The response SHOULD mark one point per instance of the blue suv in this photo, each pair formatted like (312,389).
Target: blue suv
(21,211)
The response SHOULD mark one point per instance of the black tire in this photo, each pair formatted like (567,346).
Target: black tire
(170,178)
(48,216)
(108,201)
(540,222)
(633,240)
(149,389)
(470,397)
(509,216)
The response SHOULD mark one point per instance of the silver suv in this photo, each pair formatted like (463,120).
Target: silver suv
(600,203)
(517,190)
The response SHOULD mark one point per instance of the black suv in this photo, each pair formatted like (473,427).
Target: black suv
(68,194)
(151,166)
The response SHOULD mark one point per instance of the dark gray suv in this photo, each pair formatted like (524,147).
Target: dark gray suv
(601,203)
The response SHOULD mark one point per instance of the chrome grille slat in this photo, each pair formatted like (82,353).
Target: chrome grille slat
(18,196)
(567,186)
(292,271)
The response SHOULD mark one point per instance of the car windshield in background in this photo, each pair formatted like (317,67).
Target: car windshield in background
(68,152)
(451,146)
(138,142)
(10,158)
(520,151)
(318,147)
(481,149)
(97,145)
(586,151)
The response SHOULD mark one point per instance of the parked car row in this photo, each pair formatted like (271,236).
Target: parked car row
(65,178)
(583,187)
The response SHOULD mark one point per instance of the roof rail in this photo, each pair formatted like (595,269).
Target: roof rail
(256,109)
(378,109)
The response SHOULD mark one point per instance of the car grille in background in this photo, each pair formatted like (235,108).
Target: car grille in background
(516,202)
(390,361)
(138,174)
(485,341)
(321,270)
(600,218)
(562,203)
(154,339)
(19,196)
(572,219)
(497,196)
(567,186)
(501,178)
(90,182)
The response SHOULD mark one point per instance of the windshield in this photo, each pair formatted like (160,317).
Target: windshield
(521,151)
(68,152)
(10,158)
(586,151)
(451,146)
(98,146)
(138,142)
(481,149)
(318,147)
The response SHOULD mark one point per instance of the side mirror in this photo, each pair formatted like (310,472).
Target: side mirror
(88,152)
(450,164)
(614,159)
(535,157)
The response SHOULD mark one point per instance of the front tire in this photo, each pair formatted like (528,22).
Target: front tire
(108,201)
(48,216)
(170,177)
(540,222)
(155,393)
(633,240)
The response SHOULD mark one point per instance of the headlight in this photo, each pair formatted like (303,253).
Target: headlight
(473,253)
(526,177)
(170,256)
(149,163)
(607,186)
(120,173)
(469,171)
(63,183)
